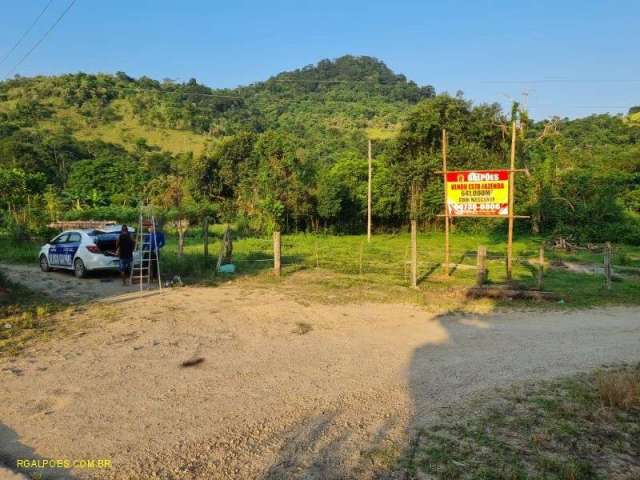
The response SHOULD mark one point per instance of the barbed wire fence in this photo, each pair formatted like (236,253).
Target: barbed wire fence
(366,260)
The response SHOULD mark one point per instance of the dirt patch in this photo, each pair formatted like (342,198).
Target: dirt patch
(335,398)
(63,286)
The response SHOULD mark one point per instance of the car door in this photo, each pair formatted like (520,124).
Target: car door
(70,247)
(56,247)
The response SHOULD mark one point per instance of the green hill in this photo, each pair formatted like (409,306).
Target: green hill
(331,98)
(291,152)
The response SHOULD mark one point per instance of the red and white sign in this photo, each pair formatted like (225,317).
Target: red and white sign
(478,193)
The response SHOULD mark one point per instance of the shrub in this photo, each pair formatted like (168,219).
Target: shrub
(619,389)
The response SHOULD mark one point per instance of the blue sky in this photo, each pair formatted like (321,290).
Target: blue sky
(573,57)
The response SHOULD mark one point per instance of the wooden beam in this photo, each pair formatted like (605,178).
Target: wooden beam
(502,293)
(511,197)
(414,254)
(276,254)
(205,236)
(541,268)
(369,196)
(481,276)
(446,202)
(608,271)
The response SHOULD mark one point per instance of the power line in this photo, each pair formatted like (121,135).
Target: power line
(25,33)
(559,80)
(304,80)
(42,38)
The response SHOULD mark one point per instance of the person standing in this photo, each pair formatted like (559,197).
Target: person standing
(124,246)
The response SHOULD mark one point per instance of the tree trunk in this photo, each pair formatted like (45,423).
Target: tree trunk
(535,223)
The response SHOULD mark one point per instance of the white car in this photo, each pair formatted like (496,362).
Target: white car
(82,250)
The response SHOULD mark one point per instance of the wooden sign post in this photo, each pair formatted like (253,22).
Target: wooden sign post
(205,236)
(481,276)
(511,192)
(446,208)
(480,193)
(369,196)
(414,254)
(276,253)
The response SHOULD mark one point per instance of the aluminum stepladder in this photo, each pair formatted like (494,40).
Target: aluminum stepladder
(141,269)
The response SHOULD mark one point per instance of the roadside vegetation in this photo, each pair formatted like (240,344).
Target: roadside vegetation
(349,261)
(25,316)
(583,427)
(290,154)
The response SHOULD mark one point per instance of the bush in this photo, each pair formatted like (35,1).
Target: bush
(620,389)
(112,212)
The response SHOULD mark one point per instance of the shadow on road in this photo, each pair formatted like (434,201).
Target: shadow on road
(13,451)
(354,442)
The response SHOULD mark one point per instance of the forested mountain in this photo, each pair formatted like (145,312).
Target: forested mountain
(290,152)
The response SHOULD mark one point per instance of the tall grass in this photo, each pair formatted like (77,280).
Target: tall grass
(619,389)
(383,261)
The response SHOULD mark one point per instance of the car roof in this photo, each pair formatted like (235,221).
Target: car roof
(111,229)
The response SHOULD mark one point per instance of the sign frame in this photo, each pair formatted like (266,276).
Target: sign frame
(510,192)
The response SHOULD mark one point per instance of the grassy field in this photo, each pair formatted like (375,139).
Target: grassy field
(128,129)
(583,427)
(24,316)
(384,262)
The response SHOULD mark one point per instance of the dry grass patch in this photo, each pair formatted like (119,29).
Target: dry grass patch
(27,317)
(583,427)
(620,389)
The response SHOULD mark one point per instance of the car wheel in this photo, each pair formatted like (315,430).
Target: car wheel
(79,269)
(44,263)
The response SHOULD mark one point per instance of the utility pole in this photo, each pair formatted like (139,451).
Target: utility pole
(369,197)
(525,100)
(511,192)
(446,203)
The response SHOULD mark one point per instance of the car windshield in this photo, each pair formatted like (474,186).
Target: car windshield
(60,239)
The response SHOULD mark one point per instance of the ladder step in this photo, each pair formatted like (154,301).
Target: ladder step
(146,249)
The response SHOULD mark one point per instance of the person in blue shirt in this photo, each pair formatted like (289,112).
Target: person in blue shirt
(152,245)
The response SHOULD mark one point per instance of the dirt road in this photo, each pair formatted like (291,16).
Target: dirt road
(64,286)
(287,389)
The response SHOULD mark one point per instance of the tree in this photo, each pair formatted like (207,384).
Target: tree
(52,203)
(171,193)
(106,180)
(282,182)
(475,141)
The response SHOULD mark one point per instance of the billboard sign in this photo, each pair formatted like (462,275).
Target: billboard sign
(478,193)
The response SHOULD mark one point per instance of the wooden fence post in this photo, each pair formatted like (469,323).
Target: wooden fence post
(541,268)
(481,276)
(446,202)
(276,254)
(205,228)
(414,254)
(607,265)
(369,196)
(511,203)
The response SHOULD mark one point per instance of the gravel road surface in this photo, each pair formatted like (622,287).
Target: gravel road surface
(286,389)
